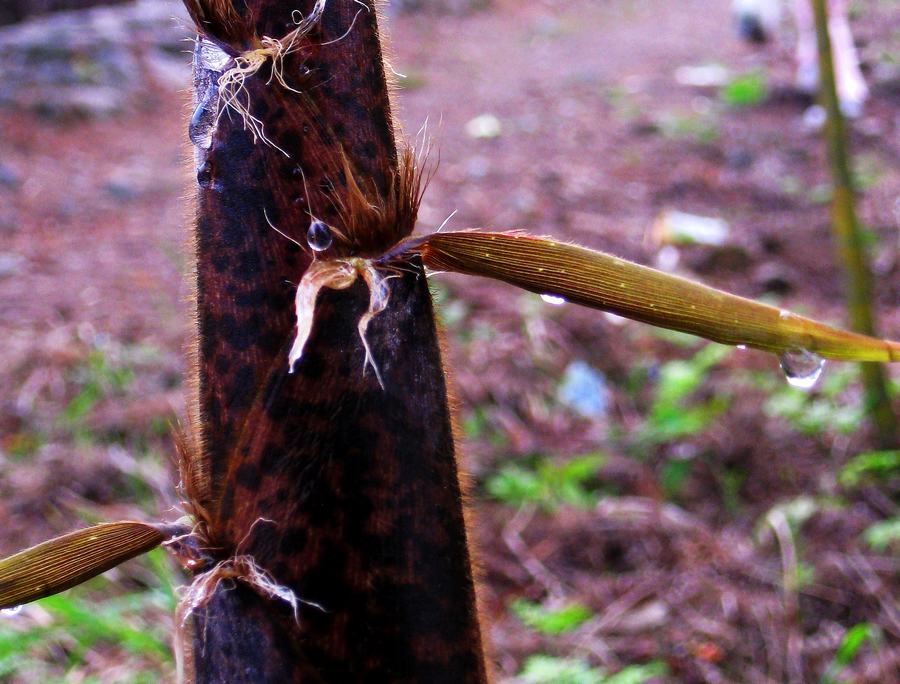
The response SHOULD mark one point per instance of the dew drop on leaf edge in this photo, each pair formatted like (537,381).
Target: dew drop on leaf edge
(553,299)
(802,368)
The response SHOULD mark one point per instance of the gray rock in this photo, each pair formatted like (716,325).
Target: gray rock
(61,104)
(93,62)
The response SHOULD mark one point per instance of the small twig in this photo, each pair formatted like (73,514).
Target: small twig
(785,537)
(512,537)
(876,588)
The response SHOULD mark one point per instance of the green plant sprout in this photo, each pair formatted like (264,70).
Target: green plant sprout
(852,643)
(745,90)
(545,669)
(551,621)
(547,484)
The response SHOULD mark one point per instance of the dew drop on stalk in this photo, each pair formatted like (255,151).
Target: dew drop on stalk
(802,368)
(553,299)
(204,174)
(318,237)
(11,612)
(209,63)
(203,120)
(210,56)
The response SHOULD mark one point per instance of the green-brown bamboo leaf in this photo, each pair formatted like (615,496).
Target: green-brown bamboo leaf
(602,281)
(61,563)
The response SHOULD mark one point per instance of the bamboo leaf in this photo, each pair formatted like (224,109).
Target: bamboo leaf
(61,563)
(606,282)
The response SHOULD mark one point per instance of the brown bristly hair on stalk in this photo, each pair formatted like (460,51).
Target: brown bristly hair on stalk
(260,51)
(371,222)
(195,486)
(218,20)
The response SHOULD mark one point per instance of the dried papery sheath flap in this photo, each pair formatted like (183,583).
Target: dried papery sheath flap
(62,563)
(245,569)
(338,274)
(602,281)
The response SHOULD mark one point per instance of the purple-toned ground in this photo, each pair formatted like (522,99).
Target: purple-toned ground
(688,564)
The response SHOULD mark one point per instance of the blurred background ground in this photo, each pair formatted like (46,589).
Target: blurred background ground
(647,507)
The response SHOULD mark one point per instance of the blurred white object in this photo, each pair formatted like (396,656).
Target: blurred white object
(583,389)
(758,20)
(851,86)
(674,227)
(484,126)
(702,75)
(814,117)
(667,258)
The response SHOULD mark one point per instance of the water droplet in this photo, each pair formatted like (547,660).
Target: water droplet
(204,174)
(209,56)
(318,236)
(802,368)
(742,347)
(203,120)
(11,612)
(209,63)
(553,299)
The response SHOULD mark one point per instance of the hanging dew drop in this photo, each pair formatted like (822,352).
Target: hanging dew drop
(318,237)
(802,368)
(11,612)
(553,299)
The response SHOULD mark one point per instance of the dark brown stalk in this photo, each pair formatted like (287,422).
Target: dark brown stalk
(851,250)
(339,491)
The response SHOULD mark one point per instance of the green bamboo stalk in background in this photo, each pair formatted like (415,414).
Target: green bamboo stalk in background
(848,237)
